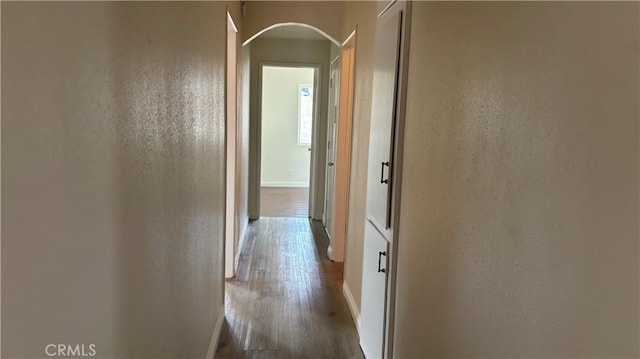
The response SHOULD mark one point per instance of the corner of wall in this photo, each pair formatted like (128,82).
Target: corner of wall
(215,337)
(351,303)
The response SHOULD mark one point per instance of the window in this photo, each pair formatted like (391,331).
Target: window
(305,114)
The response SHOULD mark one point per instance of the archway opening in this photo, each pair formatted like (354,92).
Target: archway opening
(293,30)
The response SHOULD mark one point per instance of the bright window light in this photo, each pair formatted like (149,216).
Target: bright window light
(305,114)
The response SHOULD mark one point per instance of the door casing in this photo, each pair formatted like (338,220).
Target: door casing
(257,146)
(231,194)
(344,137)
(332,123)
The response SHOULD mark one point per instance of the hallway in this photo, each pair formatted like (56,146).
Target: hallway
(286,299)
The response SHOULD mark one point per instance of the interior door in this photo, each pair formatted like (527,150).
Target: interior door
(331,149)
(378,231)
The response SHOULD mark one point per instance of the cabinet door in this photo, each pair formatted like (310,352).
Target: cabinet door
(374,284)
(383,108)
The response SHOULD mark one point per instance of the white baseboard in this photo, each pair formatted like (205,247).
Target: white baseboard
(243,233)
(217,330)
(284,184)
(351,303)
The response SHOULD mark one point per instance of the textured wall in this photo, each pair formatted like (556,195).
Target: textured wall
(112,150)
(360,14)
(519,230)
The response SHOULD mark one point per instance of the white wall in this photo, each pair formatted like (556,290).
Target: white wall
(519,230)
(284,162)
(291,51)
(113,198)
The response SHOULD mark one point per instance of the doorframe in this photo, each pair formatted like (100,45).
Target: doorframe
(334,104)
(231,115)
(344,140)
(317,87)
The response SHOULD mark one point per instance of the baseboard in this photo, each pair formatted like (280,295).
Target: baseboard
(284,184)
(240,244)
(217,330)
(351,303)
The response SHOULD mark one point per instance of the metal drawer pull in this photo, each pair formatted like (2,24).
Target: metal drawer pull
(380,254)
(382,172)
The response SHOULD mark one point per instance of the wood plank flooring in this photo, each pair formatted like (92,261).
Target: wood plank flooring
(284,202)
(286,301)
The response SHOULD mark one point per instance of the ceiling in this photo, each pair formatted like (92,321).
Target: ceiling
(295,32)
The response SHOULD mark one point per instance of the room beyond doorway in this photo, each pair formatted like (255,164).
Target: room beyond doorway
(287,114)
(284,202)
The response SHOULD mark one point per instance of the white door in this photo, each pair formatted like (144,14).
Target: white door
(331,148)
(378,231)
(374,284)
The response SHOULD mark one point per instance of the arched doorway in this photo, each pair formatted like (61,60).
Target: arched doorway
(293,45)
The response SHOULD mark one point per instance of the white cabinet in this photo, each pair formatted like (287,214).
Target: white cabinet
(378,238)
(374,285)
(379,178)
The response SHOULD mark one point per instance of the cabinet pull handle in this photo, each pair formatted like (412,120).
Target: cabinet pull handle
(380,254)
(382,180)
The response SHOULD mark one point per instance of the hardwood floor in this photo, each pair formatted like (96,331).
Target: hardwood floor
(286,301)
(284,202)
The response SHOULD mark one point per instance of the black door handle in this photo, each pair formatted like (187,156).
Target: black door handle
(380,254)
(382,180)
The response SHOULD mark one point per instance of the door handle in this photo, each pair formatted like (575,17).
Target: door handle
(382,180)
(380,254)
(330,164)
